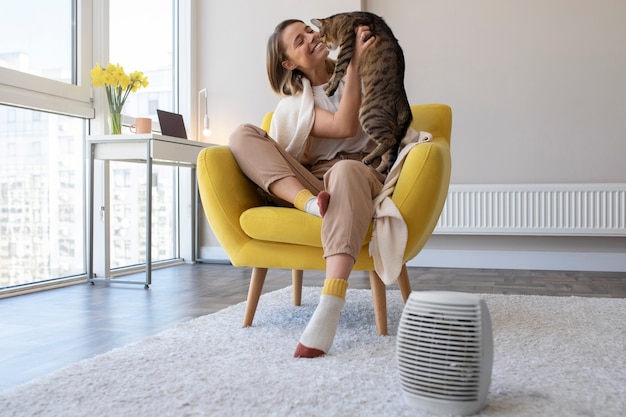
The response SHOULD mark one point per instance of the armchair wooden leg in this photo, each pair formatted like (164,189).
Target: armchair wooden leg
(296,280)
(379,297)
(254,293)
(404,283)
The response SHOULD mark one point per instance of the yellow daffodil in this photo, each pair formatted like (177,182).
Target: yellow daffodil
(118,85)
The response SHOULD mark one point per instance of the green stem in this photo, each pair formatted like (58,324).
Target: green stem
(115,123)
(116,98)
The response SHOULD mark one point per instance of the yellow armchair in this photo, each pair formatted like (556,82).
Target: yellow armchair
(259,236)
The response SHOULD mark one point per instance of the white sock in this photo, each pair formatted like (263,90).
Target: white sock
(315,205)
(319,333)
(312,207)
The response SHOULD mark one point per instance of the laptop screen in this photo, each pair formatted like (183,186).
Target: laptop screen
(172,124)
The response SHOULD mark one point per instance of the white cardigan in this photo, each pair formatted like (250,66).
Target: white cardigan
(293,120)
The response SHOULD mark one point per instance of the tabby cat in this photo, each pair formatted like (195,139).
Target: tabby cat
(385,113)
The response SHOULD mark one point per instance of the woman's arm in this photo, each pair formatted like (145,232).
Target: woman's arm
(344,123)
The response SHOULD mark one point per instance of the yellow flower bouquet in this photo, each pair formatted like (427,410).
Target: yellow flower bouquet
(118,86)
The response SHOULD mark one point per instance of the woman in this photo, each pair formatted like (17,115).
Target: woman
(312,160)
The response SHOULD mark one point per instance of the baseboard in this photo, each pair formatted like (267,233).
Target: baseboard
(213,254)
(527,260)
(490,259)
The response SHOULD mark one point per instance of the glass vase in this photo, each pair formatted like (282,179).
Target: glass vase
(115,123)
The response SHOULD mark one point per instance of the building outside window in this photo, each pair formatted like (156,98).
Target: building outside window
(41,205)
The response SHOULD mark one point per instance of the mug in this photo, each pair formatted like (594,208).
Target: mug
(141,125)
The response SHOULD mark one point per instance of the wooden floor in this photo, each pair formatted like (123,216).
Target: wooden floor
(46,331)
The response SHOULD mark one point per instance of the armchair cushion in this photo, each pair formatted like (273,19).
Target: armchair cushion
(281,224)
(286,225)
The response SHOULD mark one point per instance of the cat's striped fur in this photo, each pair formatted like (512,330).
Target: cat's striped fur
(385,113)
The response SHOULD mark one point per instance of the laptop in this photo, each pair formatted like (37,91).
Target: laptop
(172,124)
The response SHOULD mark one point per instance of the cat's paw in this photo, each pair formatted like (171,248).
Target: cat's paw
(368,160)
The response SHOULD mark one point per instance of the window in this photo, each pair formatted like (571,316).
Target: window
(39,205)
(128,218)
(43,104)
(150,25)
(24,49)
(47,71)
(45,109)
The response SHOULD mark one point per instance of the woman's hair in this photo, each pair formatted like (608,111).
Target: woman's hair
(283,81)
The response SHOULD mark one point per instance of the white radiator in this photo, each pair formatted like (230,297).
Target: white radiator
(537,209)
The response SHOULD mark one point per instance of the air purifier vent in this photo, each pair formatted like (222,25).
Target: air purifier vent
(444,351)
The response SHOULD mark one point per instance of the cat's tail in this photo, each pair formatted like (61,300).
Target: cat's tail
(404,117)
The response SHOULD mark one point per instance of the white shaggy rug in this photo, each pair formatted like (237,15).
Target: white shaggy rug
(553,356)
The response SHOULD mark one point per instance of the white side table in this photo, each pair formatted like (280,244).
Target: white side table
(150,149)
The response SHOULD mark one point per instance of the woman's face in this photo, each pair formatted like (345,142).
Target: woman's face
(303,47)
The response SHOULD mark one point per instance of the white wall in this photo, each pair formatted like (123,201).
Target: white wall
(231,45)
(537,87)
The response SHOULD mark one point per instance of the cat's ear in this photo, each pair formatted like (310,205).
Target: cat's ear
(317,23)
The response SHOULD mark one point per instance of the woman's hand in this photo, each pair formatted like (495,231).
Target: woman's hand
(364,39)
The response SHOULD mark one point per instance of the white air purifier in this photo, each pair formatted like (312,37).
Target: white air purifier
(444,352)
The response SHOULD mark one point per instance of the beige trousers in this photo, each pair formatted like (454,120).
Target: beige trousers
(351,184)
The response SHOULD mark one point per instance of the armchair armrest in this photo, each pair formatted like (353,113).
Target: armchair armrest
(225,193)
(422,187)
(421,191)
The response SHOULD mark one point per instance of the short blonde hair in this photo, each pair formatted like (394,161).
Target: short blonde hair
(283,81)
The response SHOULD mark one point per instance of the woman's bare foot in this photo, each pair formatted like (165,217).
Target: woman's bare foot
(322,202)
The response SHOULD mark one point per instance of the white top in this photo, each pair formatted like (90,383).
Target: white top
(323,149)
(293,120)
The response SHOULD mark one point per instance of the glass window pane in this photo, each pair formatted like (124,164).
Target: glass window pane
(141,38)
(25,47)
(128,213)
(41,196)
